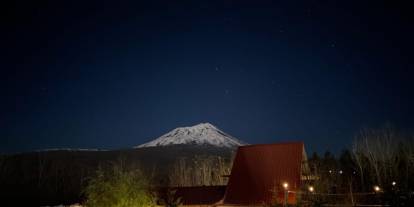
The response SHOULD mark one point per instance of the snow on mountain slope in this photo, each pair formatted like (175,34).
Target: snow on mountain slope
(200,134)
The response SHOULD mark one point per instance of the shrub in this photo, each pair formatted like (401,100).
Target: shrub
(118,187)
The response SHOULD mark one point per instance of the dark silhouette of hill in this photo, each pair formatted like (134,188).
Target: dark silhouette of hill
(58,177)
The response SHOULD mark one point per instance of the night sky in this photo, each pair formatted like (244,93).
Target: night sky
(113,74)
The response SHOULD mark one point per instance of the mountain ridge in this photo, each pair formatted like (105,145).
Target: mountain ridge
(200,134)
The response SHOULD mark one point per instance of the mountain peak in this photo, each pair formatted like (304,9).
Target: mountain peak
(200,134)
(201,126)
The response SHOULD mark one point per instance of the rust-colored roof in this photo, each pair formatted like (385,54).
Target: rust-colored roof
(196,195)
(260,170)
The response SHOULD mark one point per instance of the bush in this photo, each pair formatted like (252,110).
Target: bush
(118,187)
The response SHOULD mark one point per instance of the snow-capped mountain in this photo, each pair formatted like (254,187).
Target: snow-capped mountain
(200,134)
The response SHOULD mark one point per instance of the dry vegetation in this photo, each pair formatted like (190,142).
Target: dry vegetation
(199,171)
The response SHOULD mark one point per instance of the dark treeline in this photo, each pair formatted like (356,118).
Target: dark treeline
(378,168)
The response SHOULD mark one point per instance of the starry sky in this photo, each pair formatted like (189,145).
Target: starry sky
(115,74)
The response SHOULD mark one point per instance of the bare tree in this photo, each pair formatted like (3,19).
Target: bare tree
(179,175)
(199,171)
(41,160)
(379,152)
